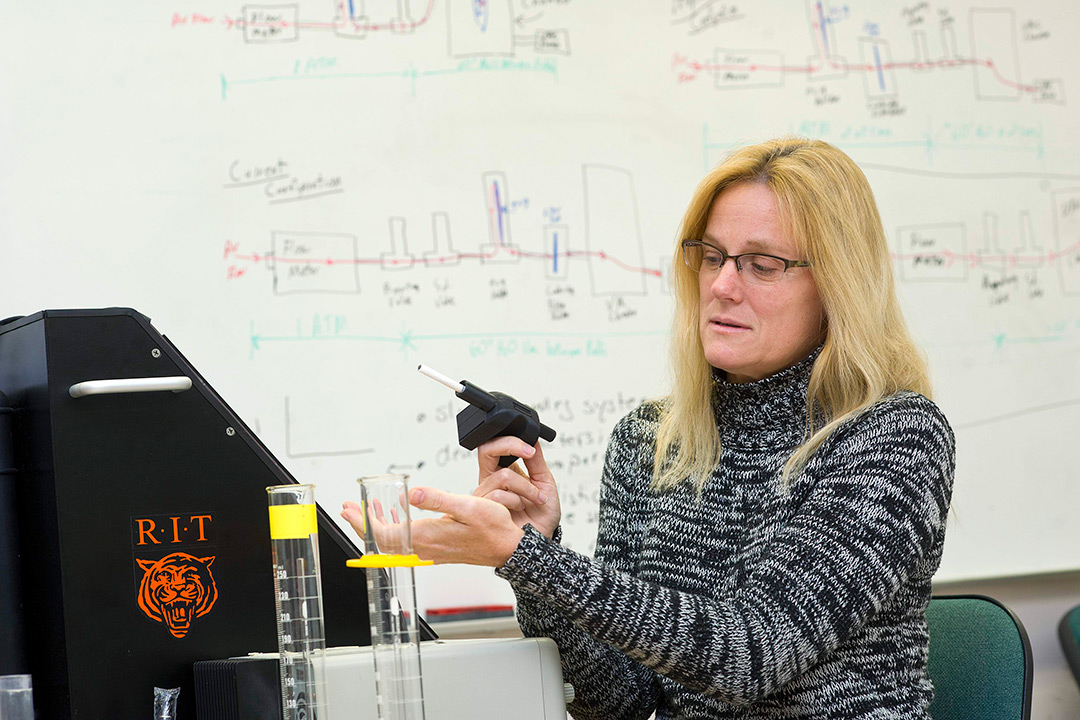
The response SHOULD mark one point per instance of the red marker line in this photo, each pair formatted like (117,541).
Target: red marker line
(906,65)
(256,257)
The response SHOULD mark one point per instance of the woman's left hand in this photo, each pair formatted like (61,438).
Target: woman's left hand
(472,530)
(530,497)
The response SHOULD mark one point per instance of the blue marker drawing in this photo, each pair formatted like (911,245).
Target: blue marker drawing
(352,11)
(481,14)
(821,26)
(877,62)
(555,252)
(499,211)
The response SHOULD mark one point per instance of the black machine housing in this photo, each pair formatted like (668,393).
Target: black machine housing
(106,486)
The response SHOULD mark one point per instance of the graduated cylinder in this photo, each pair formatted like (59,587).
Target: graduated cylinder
(389,562)
(294,539)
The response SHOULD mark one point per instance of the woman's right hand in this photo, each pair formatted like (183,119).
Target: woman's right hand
(530,497)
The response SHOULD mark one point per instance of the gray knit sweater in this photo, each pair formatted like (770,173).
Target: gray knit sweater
(754,602)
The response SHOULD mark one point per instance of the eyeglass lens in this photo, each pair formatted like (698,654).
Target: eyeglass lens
(760,269)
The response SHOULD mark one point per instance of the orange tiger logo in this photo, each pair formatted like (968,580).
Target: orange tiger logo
(177,589)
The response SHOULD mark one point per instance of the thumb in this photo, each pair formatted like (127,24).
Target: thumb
(436,500)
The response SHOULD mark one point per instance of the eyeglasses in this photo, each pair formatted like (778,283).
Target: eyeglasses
(707,259)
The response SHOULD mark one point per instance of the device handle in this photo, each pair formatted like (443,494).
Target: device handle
(179,383)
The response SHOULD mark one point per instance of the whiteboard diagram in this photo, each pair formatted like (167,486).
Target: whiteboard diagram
(613,256)
(312,197)
(993,58)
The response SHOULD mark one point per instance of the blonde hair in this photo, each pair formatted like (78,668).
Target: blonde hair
(828,208)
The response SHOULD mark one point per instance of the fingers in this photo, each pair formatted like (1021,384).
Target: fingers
(489,453)
(538,467)
(385,535)
(464,509)
(510,501)
(354,516)
(436,500)
(507,484)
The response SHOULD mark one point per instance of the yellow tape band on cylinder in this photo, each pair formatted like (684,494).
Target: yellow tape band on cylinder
(388,561)
(293,522)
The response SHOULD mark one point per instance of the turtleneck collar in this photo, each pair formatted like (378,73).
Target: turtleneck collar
(770,412)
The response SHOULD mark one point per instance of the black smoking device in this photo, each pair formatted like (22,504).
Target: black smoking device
(490,415)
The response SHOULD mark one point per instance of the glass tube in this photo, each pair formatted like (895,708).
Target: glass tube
(294,539)
(392,596)
(16,697)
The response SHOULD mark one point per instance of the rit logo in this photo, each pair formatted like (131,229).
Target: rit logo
(183,529)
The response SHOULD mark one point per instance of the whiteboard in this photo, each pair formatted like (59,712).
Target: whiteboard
(311,198)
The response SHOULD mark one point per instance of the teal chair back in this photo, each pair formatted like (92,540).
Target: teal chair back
(1069,635)
(980,660)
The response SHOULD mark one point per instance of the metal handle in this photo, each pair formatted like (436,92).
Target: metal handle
(177,384)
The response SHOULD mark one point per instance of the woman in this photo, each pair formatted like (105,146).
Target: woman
(767,532)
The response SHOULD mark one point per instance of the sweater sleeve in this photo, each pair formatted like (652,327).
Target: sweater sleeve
(608,685)
(875,512)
